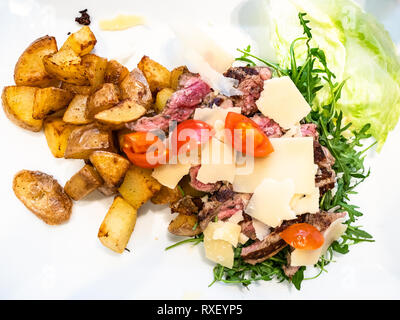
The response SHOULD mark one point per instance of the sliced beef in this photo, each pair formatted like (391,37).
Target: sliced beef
(219,100)
(309,130)
(260,251)
(196,184)
(222,209)
(326,177)
(179,107)
(251,83)
(224,193)
(247,227)
(269,126)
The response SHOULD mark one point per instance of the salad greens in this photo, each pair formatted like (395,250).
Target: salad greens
(344,141)
(358,49)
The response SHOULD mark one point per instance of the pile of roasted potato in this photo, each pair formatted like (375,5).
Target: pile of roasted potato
(82,101)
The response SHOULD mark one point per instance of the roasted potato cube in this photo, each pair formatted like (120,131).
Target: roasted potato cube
(83,182)
(81,42)
(84,140)
(166,195)
(175,75)
(76,111)
(185,225)
(65,65)
(103,99)
(157,75)
(29,70)
(48,100)
(57,133)
(118,225)
(125,111)
(83,90)
(95,69)
(162,98)
(111,166)
(42,195)
(138,186)
(135,87)
(115,72)
(18,105)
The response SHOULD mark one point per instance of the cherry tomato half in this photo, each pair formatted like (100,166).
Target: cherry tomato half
(145,149)
(246,136)
(303,236)
(190,134)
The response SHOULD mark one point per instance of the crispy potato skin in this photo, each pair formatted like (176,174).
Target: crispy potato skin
(95,68)
(82,90)
(103,99)
(29,70)
(107,190)
(111,166)
(183,225)
(81,42)
(76,111)
(84,140)
(115,72)
(42,195)
(166,195)
(82,183)
(118,225)
(48,100)
(175,75)
(125,111)
(138,186)
(66,66)
(18,106)
(157,75)
(162,98)
(57,133)
(135,87)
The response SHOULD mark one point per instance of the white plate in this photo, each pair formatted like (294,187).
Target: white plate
(68,261)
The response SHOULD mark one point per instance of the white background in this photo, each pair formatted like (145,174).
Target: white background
(68,261)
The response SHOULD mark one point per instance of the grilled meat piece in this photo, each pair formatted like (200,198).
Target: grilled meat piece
(187,205)
(326,177)
(204,187)
(251,83)
(269,126)
(179,107)
(260,251)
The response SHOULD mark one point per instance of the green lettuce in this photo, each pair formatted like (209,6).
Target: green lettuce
(358,49)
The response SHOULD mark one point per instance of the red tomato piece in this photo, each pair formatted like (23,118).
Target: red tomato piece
(145,149)
(190,134)
(303,236)
(246,136)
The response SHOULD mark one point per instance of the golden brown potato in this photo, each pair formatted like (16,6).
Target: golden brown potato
(138,186)
(48,100)
(135,87)
(166,195)
(157,75)
(42,195)
(185,225)
(111,166)
(29,70)
(81,42)
(83,182)
(115,72)
(118,225)
(84,140)
(65,65)
(125,111)
(76,111)
(95,68)
(103,99)
(83,90)
(18,106)
(162,98)
(57,133)
(175,75)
